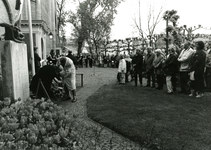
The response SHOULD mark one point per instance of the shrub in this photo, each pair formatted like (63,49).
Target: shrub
(34,124)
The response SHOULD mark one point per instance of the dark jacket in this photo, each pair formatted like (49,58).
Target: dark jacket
(46,74)
(198,62)
(73,58)
(37,60)
(137,62)
(170,65)
(148,62)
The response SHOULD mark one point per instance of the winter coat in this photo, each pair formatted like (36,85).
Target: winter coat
(122,66)
(170,65)
(198,62)
(148,62)
(137,62)
(184,59)
(158,64)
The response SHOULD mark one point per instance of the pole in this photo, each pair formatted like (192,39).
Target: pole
(31,38)
(167,35)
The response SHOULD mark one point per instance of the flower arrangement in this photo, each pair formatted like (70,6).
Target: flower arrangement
(34,124)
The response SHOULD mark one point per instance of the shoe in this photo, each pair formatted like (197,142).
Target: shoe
(170,92)
(159,88)
(147,85)
(199,95)
(74,100)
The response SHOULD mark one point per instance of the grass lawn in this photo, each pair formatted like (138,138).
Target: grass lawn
(147,116)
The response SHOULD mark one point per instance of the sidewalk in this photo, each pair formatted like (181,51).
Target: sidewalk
(94,78)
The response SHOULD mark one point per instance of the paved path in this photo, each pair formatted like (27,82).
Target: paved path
(94,78)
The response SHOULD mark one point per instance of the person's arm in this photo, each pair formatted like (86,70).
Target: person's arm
(58,81)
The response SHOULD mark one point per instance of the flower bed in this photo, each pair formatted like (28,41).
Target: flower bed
(34,124)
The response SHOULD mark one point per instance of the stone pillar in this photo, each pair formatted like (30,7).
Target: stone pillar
(14,66)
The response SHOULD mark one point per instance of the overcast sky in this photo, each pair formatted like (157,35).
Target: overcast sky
(191,12)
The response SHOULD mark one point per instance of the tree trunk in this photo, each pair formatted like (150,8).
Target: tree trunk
(79,47)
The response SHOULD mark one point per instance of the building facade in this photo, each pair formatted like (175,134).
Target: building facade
(43,15)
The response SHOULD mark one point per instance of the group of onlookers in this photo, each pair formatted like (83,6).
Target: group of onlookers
(189,67)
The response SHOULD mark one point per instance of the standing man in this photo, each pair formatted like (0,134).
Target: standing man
(184,60)
(37,60)
(137,62)
(148,61)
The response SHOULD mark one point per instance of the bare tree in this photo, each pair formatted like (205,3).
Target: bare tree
(153,20)
(61,14)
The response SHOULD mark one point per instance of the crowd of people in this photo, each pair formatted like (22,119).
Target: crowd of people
(188,67)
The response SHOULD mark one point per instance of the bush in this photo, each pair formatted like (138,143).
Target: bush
(33,125)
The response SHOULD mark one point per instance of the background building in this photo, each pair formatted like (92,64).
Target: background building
(43,14)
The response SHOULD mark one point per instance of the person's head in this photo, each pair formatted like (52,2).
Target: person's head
(187,45)
(138,51)
(52,52)
(149,50)
(63,61)
(172,50)
(70,52)
(57,69)
(199,45)
(35,49)
(121,57)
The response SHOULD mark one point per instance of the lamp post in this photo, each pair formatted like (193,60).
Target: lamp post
(166,17)
(129,40)
(117,42)
(50,35)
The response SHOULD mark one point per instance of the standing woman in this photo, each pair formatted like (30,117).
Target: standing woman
(122,69)
(158,65)
(68,74)
(198,67)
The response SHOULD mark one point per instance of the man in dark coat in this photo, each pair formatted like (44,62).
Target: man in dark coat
(46,74)
(137,62)
(170,68)
(149,68)
(37,60)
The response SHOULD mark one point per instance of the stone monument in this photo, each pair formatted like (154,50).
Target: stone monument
(13,60)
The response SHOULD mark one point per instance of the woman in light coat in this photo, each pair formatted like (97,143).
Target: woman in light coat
(68,73)
(122,69)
